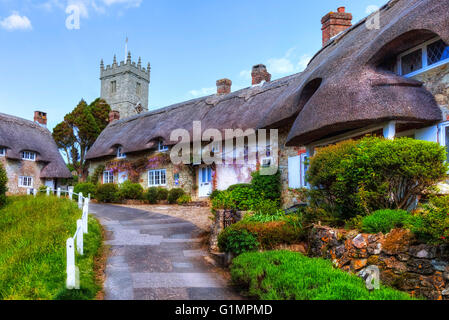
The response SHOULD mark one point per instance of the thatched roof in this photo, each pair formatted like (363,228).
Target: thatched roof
(19,135)
(242,109)
(356,90)
(344,87)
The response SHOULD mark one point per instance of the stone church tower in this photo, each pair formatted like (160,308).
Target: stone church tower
(125,86)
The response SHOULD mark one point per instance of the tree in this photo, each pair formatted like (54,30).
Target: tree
(78,132)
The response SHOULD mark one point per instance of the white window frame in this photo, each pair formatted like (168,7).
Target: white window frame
(108,177)
(26,182)
(120,155)
(161,147)
(152,181)
(266,162)
(303,170)
(28,155)
(425,62)
(2,152)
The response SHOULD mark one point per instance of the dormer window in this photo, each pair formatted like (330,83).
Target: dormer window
(161,147)
(430,54)
(28,155)
(120,154)
(2,152)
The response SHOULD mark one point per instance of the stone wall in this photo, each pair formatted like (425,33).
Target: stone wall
(421,270)
(15,169)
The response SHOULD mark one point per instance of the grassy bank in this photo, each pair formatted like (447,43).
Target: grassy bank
(285,275)
(33,235)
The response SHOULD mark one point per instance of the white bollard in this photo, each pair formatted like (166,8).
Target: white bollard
(48,191)
(71,271)
(71,193)
(86,215)
(79,237)
(58,193)
(34,192)
(80,200)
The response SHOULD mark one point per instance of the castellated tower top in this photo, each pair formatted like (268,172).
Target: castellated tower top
(125,86)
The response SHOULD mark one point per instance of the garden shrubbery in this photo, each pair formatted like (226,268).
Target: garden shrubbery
(107,193)
(184,199)
(86,188)
(162,194)
(355,178)
(431,223)
(385,220)
(3,188)
(263,194)
(285,275)
(130,191)
(174,195)
(267,230)
(151,195)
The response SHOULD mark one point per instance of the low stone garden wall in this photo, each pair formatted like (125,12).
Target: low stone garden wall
(421,270)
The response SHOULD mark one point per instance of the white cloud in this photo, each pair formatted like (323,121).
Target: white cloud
(16,22)
(245,74)
(128,3)
(288,64)
(202,92)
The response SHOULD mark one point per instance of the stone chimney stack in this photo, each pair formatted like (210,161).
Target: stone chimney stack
(114,116)
(224,86)
(260,74)
(334,23)
(41,118)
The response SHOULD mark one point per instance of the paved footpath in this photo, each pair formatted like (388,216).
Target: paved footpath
(156,257)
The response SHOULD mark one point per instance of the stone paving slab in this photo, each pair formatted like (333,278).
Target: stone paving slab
(156,257)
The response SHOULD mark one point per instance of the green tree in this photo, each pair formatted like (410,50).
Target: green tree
(78,132)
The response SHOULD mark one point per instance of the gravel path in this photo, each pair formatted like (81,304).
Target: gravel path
(156,257)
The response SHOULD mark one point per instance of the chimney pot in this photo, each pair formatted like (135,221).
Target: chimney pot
(114,116)
(259,74)
(224,86)
(40,118)
(334,23)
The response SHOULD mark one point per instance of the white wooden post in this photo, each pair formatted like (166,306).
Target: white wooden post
(85,215)
(80,200)
(71,276)
(28,192)
(48,191)
(71,193)
(58,193)
(34,192)
(79,236)
(88,197)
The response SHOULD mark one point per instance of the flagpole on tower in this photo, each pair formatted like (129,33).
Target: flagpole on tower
(126,47)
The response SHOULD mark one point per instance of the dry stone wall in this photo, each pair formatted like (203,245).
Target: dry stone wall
(422,270)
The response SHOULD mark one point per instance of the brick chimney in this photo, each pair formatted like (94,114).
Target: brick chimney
(260,74)
(334,23)
(41,118)
(114,116)
(224,86)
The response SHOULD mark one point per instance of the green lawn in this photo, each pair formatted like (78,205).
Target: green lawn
(285,275)
(33,235)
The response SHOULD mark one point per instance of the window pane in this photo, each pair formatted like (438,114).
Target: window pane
(209,174)
(163,177)
(437,52)
(412,62)
(157,177)
(151,178)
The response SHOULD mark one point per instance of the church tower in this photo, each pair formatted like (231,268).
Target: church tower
(125,86)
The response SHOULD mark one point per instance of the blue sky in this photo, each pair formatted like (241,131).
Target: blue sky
(189,43)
